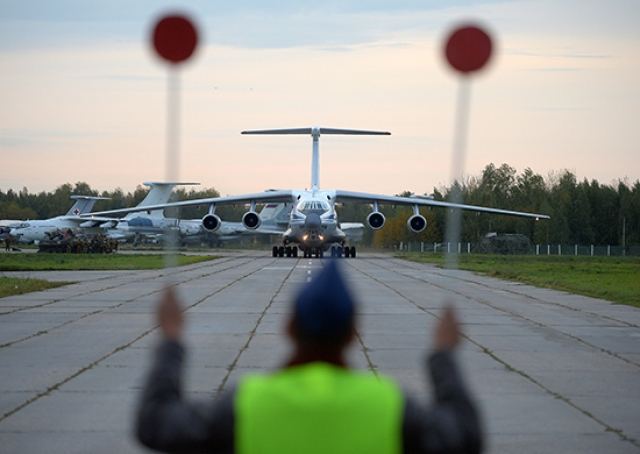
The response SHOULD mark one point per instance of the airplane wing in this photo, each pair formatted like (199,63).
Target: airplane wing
(87,220)
(261,197)
(353,230)
(361,197)
(268,231)
(95,221)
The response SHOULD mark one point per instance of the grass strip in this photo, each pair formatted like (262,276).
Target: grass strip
(77,262)
(615,279)
(15,286)
(84,262)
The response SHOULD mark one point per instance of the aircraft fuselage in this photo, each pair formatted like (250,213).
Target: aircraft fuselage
(37,230)
(313,225)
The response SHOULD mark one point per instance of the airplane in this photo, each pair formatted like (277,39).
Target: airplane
(152,223)
(313,226)
(38,230)
(155,225)
(274,219)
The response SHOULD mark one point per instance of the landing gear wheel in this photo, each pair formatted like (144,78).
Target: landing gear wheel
(274,251)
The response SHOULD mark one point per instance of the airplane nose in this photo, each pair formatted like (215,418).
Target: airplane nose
(312,221)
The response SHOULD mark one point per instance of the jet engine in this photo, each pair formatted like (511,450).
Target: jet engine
(376,220)
(251,220)
(109,224)
(417,223)
(211,223)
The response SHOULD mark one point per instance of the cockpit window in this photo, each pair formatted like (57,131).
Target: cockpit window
(313,206)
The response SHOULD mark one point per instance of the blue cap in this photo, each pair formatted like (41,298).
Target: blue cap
(324,308)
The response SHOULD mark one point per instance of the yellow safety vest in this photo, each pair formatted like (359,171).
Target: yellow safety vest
(318,408)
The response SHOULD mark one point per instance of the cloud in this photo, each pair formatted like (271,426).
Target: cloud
(249,24)
(13,142)
(126,78)
(43,137)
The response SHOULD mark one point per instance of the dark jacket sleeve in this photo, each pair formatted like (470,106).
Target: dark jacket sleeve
(167,422)
(450,424)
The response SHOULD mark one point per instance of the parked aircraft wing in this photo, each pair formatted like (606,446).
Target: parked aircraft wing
(90,220)
(268,230)
(261,197)
(361,197)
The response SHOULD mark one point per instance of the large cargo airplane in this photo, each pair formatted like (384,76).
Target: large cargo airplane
(313,225)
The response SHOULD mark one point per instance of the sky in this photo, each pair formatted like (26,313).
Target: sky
(84,98)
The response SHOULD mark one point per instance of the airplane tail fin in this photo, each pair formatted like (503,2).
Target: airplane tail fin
(158,195)
(315,132)
(84,204)
(318,130)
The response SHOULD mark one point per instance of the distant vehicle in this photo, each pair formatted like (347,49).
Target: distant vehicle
(313,225)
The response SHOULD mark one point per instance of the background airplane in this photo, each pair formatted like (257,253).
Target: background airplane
(313,226)
(36,230)
(155,225)
(135,226)
(274,220)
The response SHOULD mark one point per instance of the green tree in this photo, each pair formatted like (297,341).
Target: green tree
(604,202)
(583,213)
(530,194)
(562,200)
(580,216)
(629,213)
(11,210)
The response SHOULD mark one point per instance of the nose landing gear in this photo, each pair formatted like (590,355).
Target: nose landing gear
(313,252)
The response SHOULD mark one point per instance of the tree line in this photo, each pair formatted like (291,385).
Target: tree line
(23,205)
(584,212)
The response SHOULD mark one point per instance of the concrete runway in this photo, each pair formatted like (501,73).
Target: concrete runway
(552,372)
